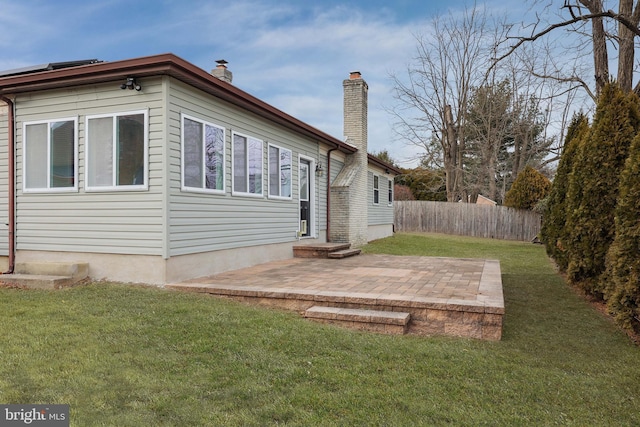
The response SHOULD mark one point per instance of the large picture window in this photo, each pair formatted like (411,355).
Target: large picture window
(50,156)
(202,156)
(117,151)
(279,172)
(247,165)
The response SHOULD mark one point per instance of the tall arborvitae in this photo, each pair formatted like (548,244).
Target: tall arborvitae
(593,187)
(622,278)
(553,232)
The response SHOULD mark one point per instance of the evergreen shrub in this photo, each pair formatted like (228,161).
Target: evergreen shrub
(529,188)
(593,187)
(622,277)
(554,231)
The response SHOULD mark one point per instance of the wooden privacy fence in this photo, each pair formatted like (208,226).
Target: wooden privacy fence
(466,219)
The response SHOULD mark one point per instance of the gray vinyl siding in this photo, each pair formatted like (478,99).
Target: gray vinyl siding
(205,222)
(119,222)
(163,220)
(381,213)
(4,181)
(336,167)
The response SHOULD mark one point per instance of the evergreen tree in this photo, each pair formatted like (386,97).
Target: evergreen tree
(385,157)
(622,277)
(487,132)
(554,231)
(528,189)
(503,133)
(593,188)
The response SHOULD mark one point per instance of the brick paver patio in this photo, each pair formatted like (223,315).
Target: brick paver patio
(461,297)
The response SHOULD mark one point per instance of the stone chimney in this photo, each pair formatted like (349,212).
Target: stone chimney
(349,191)
(222,72)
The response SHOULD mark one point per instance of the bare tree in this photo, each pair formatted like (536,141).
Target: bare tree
(449,63)
(451,94)
(608,29)
(530,68)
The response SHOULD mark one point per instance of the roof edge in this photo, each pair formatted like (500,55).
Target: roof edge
(162,64)
(381,163)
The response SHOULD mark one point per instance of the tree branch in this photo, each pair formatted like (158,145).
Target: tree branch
(604,14)
(577,80)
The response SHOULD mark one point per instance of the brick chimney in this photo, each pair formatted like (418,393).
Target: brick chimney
(349,191)
(222,72)
(355,112)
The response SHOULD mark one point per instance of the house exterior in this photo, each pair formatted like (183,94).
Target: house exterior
(153,170)
(482,200)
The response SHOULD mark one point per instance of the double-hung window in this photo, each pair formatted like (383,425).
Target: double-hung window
(247,165)
(202,156)
(50,156)
(390,191)
(279,172)
(117,147)
(376,189)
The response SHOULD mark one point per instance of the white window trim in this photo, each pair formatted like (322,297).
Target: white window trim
(376,189)
(233,155)
(114,187)
(390,192)
(49,189)
(224,157)
(278,197)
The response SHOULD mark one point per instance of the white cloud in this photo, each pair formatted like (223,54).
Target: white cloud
(299,67)
(293,55)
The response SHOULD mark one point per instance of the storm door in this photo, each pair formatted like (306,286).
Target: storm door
(305,198)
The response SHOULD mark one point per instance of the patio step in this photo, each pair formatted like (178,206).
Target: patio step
(345,253)
(324,250)
(46,275)
(390,322)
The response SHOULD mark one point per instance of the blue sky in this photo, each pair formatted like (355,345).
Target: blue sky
(292,54)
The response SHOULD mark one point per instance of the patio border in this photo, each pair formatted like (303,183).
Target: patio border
(481,318)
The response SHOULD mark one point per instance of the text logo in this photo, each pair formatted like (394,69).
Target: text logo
(34,415)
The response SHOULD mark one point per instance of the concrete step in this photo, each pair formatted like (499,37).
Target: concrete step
(318,250)
(46,275)
(77,270)
(36,281)
(345,253)
(390,322)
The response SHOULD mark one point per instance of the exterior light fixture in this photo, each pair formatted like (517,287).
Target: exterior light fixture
(319,170)
(131,84)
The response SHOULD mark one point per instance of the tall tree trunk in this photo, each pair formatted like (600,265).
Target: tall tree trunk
(600,56)
(517,152)
(627,51)
(451,156)
(460,194)
(491,175)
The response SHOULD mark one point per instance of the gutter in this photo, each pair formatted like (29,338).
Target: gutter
(328,237)
(12,183)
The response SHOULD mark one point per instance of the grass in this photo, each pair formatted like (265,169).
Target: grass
(130,356)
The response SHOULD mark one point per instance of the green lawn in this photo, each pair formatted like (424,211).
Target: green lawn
(134,356)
